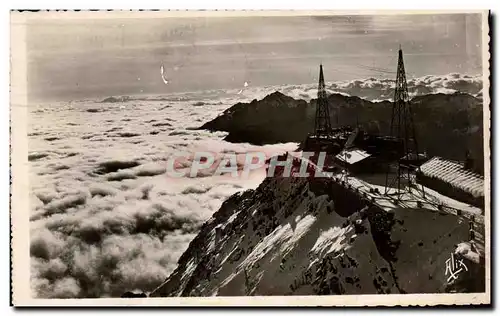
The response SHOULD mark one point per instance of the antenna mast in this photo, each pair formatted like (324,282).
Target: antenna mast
(322,124)
(403,130)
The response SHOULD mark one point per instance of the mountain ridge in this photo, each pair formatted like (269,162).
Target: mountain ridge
(452,119)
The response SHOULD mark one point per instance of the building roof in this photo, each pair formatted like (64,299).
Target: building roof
(352,156)
(455,174)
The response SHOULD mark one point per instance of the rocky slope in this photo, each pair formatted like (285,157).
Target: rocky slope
(452,119)
(296,236)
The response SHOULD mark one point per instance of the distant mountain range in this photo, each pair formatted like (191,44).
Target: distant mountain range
(446,124)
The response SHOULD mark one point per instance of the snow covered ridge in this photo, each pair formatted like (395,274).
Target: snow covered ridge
(290,164)
(298,236)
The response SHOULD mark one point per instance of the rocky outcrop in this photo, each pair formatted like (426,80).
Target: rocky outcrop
(296,236)
(276,118)
(124,98)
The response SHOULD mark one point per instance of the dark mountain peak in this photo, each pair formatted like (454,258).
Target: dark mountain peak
(337,99)
(264,121)
(446,96)
(275,94)
(344,98)
(278,96)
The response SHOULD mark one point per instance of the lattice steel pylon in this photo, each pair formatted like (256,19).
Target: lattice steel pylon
(403,130)
(322,124)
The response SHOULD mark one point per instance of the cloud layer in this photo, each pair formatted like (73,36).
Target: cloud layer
(105,216)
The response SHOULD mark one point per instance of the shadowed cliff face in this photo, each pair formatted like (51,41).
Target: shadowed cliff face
(295,236)
(446,124)
(264,122)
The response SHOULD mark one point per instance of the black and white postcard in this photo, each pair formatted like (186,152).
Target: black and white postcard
(250,158)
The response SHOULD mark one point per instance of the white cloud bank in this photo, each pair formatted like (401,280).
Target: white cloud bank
(105,216)
(375,89)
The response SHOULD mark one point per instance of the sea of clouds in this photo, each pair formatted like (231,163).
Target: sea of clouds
(105,218)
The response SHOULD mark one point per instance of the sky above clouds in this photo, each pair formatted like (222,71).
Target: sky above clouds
(87,58)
